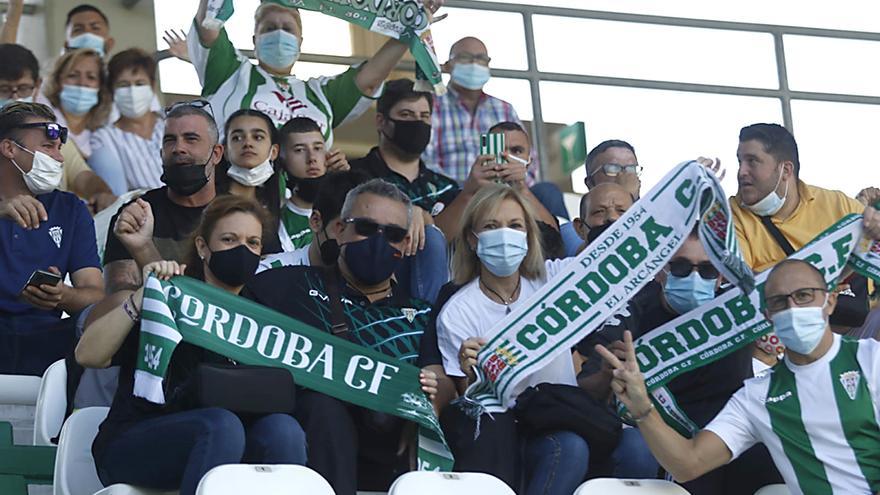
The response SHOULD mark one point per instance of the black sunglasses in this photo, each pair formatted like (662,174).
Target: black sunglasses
(53,130)
(367,228)
(683,268)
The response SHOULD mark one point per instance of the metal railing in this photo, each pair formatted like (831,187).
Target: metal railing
(535,76)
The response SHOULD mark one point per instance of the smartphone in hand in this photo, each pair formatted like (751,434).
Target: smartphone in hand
(42,277)
(493,144)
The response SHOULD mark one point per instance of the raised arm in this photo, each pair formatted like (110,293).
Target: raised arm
(206,36)
(9,33)
(685,459)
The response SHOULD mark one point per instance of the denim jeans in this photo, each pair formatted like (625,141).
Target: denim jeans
(175,450)
(29,344)
(425,273)
(632,458)
(555,463)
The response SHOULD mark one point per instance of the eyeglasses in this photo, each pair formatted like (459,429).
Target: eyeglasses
(469,58)
(53,130)
(204,104)
(20,90)
(800,297)
(367,228)
(683,268)
(614,169)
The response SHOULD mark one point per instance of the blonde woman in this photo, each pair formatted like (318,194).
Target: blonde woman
(499,264)
(76,92)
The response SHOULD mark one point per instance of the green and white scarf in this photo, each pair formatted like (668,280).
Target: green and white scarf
(404,20)
(185,309)
(735,319)
(599,281)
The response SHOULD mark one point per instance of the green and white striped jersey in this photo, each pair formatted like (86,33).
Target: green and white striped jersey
(293,229)
(819,421)
(230,81)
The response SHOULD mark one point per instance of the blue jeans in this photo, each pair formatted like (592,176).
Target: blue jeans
(30,343)
(424,274)
(555,463)
(632,458)
(175,450)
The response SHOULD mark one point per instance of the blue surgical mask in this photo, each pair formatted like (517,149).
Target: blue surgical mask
(277,49)
(471,76)
(800,329)
(7,101)
(78,100)
(687,293)
(87,40)
(502,250)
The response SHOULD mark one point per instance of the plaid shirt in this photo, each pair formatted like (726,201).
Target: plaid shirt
(455,138)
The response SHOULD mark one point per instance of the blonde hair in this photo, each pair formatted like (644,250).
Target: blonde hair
(266,7)
(466,265)
(98,115)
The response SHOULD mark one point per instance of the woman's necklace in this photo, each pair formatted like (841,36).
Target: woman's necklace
(506,301)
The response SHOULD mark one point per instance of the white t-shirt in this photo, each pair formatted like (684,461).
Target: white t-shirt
(470,313)
(819,421)
(297,257)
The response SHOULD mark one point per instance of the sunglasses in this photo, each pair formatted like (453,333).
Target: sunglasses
(614,169)
(53,131)
(800,297)
(366,227)
(204,104)
(683,268)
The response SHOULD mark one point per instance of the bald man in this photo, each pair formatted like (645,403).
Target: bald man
(601,207)
(816,411)
(465,112)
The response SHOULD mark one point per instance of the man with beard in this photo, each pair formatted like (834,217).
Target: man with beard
(358,300)
(190,151)
(305,160)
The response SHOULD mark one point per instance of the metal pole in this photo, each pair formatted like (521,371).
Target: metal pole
(782,71)
(535,86)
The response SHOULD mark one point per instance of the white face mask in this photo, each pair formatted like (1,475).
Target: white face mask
(252,177)
(800,329)
(45,174)
(771,203)
(133,101)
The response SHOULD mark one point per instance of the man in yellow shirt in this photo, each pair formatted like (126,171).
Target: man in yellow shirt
(769,187)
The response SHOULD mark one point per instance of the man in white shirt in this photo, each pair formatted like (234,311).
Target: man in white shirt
(816,411)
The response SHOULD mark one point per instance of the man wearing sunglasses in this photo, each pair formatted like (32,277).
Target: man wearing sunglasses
(815,412)
(688,281)
(359,300)
(43,229)
(20,81)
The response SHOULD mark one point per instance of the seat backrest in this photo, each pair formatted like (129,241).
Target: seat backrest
(778,489)
(602,486)
(75,472)
(19,390)
(438,483)
(277,479)
(51,403)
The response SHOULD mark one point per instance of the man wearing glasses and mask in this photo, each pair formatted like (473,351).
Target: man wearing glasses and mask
(157,225)
(689,280)
(359,300)
(45,235)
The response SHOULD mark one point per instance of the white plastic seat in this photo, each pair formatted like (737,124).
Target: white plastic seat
(75,472)
(276,479)
(778,489)
(604,486)
(19,390)
(51,404)
(440,483)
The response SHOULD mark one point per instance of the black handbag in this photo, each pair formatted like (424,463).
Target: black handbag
(852,306)
(246,390)
(553,407)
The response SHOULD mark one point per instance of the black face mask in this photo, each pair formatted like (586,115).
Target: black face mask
(185,180)
(595,232)
(305,189)
(372,260)
(329,252)
(235,266)
(411,136)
